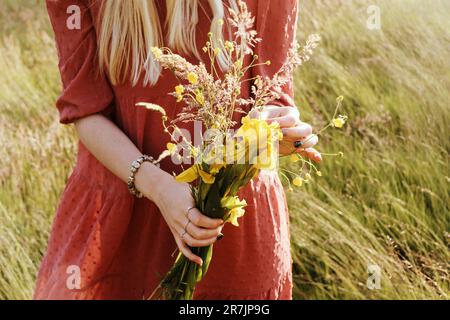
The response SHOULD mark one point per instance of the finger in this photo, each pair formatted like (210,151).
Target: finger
(187,252)
(298,132)
(287,121)
(312,154)
(272,111)
(200,220)
(310,141)
(187,238)
(201,233)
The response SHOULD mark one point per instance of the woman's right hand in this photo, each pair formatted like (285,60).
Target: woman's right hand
(188,225)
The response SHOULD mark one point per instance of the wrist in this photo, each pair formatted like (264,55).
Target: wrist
(150,179)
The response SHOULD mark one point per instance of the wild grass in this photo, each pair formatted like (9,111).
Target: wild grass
(385,203)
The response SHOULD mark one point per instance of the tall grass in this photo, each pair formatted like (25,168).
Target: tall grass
(385,203)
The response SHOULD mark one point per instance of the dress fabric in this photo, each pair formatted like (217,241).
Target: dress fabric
(121,245)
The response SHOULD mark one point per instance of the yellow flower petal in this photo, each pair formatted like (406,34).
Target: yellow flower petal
(235,207)
(298,182)
(199,97)
(171,147)
(229,45)
(339,121)
(192,78)
(234,215)
(179,89)
(206,177)
(231,203)
(188,175)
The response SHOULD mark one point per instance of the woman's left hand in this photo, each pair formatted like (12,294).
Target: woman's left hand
(293,130)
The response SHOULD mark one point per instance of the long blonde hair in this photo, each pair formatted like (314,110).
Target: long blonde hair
(129,29)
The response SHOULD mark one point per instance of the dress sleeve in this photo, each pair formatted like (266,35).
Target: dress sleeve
(85,90)
(276,23)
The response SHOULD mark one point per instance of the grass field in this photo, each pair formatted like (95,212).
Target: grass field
(385,203)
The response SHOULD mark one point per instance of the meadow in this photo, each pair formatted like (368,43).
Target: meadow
(385,203)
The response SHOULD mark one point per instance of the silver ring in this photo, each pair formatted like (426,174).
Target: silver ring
(188,211)
(185,227)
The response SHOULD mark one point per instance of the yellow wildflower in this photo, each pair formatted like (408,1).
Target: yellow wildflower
(192,78)
(230,203)
(234,215)
(217,51)
(259,136)
(298,182)
(229,46)
(235,207)
(194,173)
(206,177)
(319,173)
(172,148)
(339,121)
(179,90)
(199,97)
(188,175)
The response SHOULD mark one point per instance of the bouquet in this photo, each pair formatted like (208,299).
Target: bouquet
(226,160)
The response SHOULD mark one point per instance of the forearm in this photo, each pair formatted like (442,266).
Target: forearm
(111,146)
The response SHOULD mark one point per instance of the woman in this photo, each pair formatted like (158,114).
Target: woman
(107,244)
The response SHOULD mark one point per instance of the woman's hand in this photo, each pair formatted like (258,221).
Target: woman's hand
(188,225)
(293,130)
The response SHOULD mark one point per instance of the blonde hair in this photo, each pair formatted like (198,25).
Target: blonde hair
(129,29)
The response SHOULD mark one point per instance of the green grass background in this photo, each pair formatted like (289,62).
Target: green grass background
(385,203)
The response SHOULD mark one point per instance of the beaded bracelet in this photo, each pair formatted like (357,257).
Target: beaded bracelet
(134,169)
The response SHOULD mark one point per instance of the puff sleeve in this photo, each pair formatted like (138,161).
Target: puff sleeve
(85,90)
(276,24)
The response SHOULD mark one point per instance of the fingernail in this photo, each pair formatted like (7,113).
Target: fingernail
(220,236)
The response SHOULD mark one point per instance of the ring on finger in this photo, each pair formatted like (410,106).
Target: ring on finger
(183,234)
(187,224)
(188,211)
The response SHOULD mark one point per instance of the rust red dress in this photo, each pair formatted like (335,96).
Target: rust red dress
(121,245)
